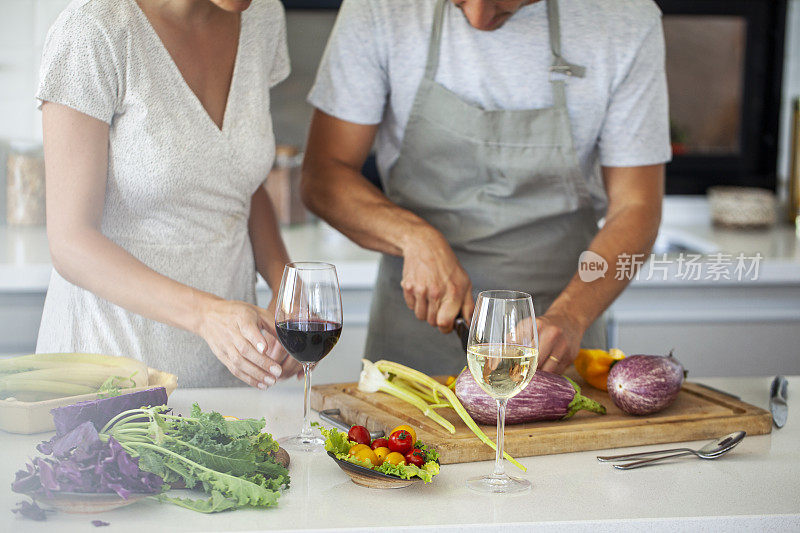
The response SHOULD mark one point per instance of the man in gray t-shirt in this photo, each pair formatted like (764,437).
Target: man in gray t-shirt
(502,130)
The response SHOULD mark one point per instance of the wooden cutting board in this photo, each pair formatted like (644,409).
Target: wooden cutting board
(698,413)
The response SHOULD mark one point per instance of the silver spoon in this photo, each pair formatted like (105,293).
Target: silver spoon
(712,450)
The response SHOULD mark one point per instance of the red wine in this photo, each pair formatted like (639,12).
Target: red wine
(308,341)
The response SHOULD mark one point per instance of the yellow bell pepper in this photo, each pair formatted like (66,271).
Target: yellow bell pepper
(593,365)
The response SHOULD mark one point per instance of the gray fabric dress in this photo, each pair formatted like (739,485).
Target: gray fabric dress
(178,189)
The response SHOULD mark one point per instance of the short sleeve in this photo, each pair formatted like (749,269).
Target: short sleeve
(351,82)
(79,68)
(635,130)
(281,66)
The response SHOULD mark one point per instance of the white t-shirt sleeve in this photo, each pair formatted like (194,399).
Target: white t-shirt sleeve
(79,68)
(352,83)
(635,130)
(280,65)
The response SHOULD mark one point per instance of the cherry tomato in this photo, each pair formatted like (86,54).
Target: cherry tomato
(381,454)
(409,429)
(379,443)
(415,457)
(366,454)
(401,441)
(395,458)
(354,449)
(358,434)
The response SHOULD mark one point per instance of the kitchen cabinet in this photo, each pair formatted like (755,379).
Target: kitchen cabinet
(713,330)
(716,328)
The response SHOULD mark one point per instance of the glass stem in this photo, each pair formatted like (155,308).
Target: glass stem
(499,470)
(306,431)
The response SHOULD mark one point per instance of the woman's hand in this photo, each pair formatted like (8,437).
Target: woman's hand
(233,331)
(277,352)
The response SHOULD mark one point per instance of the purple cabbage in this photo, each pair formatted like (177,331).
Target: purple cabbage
(100,411)
(79,461)
(30,510)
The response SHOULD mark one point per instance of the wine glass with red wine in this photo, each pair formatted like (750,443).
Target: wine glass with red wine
(308,321)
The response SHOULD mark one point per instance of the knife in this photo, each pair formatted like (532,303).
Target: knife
(462,328)
(777,401)
(709,387)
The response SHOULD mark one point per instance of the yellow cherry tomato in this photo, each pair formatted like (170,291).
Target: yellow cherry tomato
(409,429)
(356,448)
(381,453)
(366,454)
(395,458)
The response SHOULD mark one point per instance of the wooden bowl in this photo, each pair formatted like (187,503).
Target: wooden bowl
(366,477)
(87,503)
(282,457)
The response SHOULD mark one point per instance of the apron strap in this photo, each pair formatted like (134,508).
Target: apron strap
(560,65)
(435,40)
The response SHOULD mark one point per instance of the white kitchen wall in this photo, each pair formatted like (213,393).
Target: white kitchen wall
(23,28)
(24,24)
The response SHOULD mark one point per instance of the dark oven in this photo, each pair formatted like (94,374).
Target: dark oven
(724,69)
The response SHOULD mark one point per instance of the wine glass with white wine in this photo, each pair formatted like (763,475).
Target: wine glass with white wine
(502,354)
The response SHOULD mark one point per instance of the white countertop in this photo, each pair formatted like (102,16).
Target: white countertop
(25,256)
(25,259)
(754,488)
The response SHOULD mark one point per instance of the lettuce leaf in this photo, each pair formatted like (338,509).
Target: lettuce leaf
(216,503)
(336,442)
(232,461)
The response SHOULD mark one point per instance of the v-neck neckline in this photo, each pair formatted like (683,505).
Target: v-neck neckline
(223,129)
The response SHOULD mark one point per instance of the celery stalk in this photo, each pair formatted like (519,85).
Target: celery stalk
(373,380)
(414,375)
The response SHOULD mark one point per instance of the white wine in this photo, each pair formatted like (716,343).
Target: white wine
(502,370)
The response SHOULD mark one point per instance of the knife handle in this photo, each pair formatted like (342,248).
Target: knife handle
(462,329)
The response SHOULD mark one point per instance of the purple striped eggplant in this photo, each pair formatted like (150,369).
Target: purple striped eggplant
(645,384)
(547,397)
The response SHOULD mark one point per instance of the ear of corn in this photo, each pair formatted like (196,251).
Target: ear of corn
(57,360)
(47,376)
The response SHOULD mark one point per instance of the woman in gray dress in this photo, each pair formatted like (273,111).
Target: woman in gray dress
(158,138)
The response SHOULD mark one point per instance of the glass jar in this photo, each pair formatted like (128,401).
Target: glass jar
(283,186)
(25,204)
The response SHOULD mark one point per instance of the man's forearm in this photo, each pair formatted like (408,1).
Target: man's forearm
(631,230)
(341,196)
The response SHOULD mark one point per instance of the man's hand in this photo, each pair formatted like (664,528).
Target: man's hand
(435,286)
(559,341)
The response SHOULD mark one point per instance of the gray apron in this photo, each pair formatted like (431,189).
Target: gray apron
(506,191)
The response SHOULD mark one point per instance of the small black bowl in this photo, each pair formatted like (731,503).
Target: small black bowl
(367,477)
